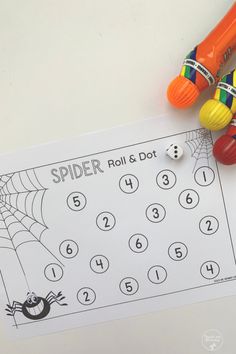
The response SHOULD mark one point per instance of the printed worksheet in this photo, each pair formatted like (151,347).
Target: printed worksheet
(108,226)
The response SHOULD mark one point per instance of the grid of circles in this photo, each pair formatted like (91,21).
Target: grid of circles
(138,243)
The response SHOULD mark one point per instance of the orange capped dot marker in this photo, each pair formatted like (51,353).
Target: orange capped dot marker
(201,67)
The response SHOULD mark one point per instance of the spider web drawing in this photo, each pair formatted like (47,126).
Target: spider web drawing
(200,145)
(21,216)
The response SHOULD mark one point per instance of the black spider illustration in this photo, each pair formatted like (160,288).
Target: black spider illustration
(35,307)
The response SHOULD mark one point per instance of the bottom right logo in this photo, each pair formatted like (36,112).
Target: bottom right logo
(212,340)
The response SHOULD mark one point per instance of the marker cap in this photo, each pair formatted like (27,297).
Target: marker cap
(182,93)
(215,115)
(224,150)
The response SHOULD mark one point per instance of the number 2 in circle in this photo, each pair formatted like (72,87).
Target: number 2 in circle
(209,225)
(105,221)
(86,296)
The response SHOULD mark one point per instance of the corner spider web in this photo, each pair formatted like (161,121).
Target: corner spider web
(21,217)
(200,145)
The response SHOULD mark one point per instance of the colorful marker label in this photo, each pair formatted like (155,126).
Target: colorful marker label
(226,91)
(201,69)
(191,67)
(229,88)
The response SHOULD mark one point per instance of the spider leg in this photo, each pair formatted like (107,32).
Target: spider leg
(15,307)
(14,304)
(53,299)
(54,296)
(57,297)
(49,294)
(58,302)
(12,313)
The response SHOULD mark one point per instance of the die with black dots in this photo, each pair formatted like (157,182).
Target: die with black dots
(175,151)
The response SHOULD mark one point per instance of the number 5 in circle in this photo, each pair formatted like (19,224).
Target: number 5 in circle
(76,201)
(129,286)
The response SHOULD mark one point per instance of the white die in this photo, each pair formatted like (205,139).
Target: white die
(175,151)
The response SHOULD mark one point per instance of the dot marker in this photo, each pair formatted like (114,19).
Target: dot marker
(224,149)
(201,66)
(216,113)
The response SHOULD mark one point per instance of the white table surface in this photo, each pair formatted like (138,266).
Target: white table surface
(72,66)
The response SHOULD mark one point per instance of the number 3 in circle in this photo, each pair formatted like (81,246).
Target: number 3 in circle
(155,212)
(166,179)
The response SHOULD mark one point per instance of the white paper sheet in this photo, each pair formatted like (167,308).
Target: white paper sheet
(107,226)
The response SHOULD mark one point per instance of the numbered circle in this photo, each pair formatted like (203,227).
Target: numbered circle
(129,184)
(157,274)
(210,270)
(189,199)
(209,225)
(129,286)
(99,264)
(86,296)
(155,212)
(138,243)
(69,249)
(76,201)
(105,221)
(53,272)
(166,179)
(204,176)
(178,251)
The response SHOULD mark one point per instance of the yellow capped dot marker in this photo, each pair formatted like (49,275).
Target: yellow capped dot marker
(217,113)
